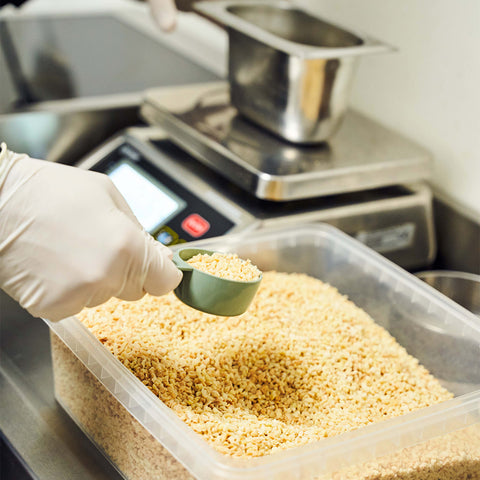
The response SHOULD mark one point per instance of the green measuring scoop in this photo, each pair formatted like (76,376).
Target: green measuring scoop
(209,293)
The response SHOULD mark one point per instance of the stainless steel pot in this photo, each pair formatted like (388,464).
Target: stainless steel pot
(461,287)
(289,71)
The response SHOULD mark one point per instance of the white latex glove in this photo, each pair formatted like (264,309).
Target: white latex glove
(164,13)
(68,240)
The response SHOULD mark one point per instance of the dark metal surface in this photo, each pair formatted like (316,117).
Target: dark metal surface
(85,56)
(12,61)
(458,239)
(64,136)
(12,467)
(78,80)
(461,287)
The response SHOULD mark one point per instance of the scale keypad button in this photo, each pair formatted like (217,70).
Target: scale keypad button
(195,225)
(167,236)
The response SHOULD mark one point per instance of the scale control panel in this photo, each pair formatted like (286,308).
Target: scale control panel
(172,207)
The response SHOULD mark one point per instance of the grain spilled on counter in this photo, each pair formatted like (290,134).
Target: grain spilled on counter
(303,363)
(226,265)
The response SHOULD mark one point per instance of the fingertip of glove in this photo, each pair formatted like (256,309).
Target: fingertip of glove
(176,275)
(164,14)
(162,276)
(168,25)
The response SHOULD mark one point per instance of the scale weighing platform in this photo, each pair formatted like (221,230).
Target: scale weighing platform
(201,171)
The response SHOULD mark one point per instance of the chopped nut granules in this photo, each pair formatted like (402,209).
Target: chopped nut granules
(303,363)
(226,265)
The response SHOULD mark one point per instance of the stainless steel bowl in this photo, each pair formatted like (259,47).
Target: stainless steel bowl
(461,287)
(289,71)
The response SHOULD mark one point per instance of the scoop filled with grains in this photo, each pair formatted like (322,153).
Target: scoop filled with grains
(217,283)
(226,265)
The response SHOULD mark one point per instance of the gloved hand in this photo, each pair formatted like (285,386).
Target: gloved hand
(165,11)
(68,240)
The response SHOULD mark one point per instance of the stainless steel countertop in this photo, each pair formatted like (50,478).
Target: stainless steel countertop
(44,436)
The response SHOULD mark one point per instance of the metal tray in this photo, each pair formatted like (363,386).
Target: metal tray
(363,154)
(289,71)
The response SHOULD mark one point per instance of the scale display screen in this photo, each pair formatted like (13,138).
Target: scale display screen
(166,208)
(151,202)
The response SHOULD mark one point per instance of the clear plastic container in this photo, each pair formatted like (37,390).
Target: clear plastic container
(145,440)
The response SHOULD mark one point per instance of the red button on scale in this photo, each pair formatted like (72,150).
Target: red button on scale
(195,225)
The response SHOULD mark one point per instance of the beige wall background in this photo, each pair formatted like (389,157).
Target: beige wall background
(430,88)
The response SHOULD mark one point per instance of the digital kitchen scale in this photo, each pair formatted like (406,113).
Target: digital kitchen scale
(201,170)
(178,198)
